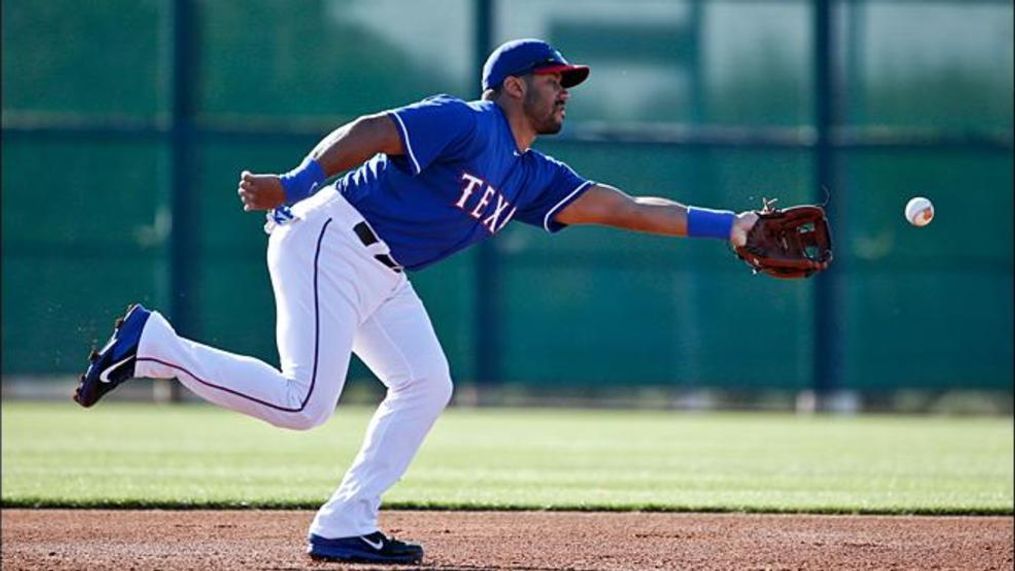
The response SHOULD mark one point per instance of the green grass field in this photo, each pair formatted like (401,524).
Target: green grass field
(146,455)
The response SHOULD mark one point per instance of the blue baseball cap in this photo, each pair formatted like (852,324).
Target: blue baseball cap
(519,57)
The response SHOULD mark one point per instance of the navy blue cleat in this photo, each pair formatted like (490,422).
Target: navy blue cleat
(114,363)
(372,548)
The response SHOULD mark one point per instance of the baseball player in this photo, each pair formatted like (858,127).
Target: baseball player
(421,182)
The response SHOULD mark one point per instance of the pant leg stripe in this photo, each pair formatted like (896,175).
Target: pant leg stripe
(317,347)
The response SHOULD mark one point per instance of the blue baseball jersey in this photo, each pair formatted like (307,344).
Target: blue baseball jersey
(461,180)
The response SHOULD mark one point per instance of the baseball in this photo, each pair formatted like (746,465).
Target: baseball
(919,211)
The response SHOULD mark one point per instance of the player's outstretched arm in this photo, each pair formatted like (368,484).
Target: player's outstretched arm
(607,206)
(344,148)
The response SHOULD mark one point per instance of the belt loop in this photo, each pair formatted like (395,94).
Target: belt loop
(368,238)
(364,234)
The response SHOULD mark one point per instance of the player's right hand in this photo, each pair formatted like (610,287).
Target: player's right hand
(260,191)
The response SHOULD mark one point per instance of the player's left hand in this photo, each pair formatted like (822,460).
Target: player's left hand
(795,242)
(260,191)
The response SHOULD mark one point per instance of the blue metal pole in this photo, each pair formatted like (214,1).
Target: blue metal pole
(486,324)
(182,241)
(827,354)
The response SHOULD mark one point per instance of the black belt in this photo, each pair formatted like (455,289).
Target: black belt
(367,236)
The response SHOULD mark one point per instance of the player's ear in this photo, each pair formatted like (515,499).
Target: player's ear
(514,87)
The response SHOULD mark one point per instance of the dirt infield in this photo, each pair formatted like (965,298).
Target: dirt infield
(226,540)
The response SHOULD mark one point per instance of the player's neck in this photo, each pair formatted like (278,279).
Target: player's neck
(521,129)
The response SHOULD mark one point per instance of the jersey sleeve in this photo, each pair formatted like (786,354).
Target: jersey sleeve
(439,127)
(559,186)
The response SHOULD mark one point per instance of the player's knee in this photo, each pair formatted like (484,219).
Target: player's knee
(298,421)
(442,388)
(433,382)
(439,387)
(304,419)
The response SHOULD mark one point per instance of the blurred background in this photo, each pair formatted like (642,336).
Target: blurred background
(126,123)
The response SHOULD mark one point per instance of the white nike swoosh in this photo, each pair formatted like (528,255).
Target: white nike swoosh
(104,375)
(377,546)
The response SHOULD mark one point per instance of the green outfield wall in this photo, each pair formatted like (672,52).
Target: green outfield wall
(126,123)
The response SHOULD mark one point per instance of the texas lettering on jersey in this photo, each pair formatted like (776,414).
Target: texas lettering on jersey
(499,218)
(461,180)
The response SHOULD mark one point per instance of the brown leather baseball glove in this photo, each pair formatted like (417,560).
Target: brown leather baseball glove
(790,243)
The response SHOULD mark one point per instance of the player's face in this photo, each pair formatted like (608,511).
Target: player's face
(545,100)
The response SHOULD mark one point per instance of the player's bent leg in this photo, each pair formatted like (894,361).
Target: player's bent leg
(316,323)
(240,383)
(399,344)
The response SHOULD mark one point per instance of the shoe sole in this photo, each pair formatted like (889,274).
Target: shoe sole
(366,559)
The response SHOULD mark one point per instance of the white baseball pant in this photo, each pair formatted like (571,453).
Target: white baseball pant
(333,298)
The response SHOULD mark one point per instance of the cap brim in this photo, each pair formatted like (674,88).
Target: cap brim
(570,75)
